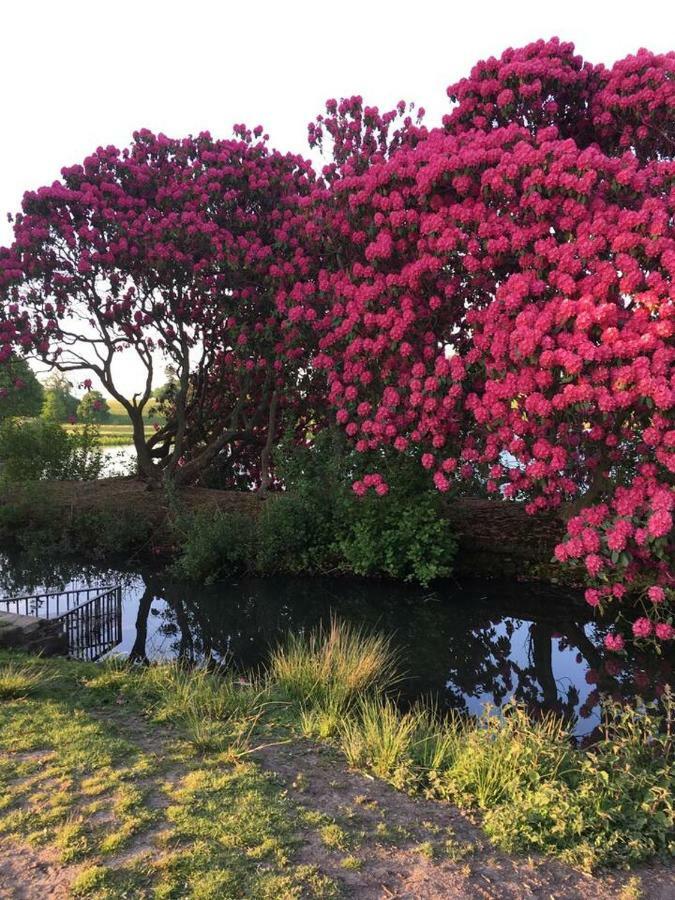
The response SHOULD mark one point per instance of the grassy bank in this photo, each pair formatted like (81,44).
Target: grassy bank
(148,782)
(214,532)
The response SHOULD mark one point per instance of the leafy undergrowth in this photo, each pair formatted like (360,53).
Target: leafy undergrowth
(146,777)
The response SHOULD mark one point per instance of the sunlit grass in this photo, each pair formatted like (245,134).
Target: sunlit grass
(20,679)
(116,435)
(223,818)
(331,666)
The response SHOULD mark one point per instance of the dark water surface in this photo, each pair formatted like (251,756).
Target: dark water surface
(467,643)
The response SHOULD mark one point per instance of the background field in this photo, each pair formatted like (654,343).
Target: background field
(118,415)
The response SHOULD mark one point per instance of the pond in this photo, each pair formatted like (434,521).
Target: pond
(118,460)
(467,643)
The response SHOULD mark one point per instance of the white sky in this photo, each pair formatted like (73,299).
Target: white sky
(77,74)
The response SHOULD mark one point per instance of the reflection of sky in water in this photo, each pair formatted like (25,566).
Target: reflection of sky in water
(462,645)
(567,671)
(118,461)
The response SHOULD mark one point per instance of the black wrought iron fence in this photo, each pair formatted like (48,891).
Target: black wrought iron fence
(91,617)
(94,627)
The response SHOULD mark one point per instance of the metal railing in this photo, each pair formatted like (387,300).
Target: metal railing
(53,604)
(91,617)
(94,627)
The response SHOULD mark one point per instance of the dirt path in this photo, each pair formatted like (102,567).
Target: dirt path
(27,874)
(398,866)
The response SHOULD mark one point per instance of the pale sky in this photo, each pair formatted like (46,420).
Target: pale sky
(77,74)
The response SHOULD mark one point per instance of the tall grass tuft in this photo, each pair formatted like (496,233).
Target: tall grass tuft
(19,680)
(380,737)
(177,692)
(504,755)
(438,739)
(331,666)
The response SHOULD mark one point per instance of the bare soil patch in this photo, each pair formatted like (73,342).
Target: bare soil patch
(319,780)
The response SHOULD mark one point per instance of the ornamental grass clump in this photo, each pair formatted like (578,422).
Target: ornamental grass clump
(332,666)
(379,737)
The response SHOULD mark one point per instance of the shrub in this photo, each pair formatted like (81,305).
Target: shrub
(402,535)
(295,535)
(35,449)
(214,544)
(102,532)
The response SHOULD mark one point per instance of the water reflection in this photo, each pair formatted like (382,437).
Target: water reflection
(467,644)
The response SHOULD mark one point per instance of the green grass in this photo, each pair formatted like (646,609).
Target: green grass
(118,414)
(130,794)
(146,777)
(332,666)
(114,435)
(19,680)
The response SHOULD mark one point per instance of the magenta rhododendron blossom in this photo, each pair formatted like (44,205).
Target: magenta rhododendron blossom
(614,642)
(664,631)
(642,627)
(656,594)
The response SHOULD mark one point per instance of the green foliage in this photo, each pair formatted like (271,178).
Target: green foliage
(21,394)
(103,533)
(35,449)
(214,544)
(609,805)
(319,525)
(93,407)
(295,535)
(59,403)
(41,530)
(401,535)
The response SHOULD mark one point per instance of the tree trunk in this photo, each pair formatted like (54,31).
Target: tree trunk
(265,456)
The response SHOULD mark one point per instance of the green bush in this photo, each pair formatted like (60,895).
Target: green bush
(102,533)
(401,535)
(295,535)
(35,449)
(214,544)
(319,525)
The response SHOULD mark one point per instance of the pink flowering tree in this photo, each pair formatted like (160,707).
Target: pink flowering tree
(171,250)
(498,300)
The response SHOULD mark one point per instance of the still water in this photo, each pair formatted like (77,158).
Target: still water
(468,643)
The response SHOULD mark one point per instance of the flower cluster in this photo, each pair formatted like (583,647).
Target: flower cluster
(170,246)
